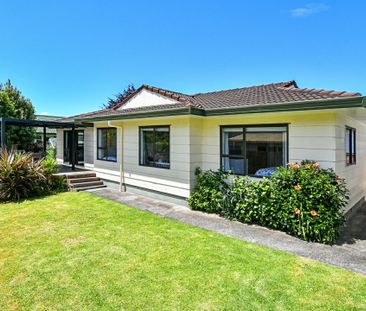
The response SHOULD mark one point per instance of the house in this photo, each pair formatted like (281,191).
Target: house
(152,141)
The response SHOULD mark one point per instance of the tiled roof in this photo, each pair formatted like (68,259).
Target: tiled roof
(274,93)
(266,94)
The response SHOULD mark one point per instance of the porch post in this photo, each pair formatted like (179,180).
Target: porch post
(73,151)
(44,140)
(3,133)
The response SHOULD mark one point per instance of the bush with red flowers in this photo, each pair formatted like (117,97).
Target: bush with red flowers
(303,200)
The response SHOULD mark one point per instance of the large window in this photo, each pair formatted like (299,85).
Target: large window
(350,145)
(154,146)
(253,150)
(107,144)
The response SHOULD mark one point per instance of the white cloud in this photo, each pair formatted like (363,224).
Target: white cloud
(44,113)
(309,9)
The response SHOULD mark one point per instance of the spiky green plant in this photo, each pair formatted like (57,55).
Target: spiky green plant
(21,176)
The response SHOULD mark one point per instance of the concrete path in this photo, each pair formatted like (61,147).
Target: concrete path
(350,253)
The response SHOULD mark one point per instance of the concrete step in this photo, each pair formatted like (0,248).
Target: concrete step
(86,184)
(89,188)
(82,179)
(80,175)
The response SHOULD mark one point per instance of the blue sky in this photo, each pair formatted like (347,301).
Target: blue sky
(68,57)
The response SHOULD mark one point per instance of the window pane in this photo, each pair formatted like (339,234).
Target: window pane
(237,166)
(112,144)
(101,138)
(162,147)
(232,141)
(265,151)
(266,129)
(147,146)
(353,151)
(348,145)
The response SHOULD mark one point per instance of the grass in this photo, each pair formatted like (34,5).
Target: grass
(82,252)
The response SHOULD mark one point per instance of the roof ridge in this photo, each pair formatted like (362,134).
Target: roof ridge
(286,83)
(84,114)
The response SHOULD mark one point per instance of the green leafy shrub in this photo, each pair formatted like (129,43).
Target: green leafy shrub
(303,200)
(51,152)
(22,177)
(209,190)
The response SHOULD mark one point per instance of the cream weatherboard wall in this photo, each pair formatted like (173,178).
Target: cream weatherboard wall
(195,142)
(311,135)
(354,174)
(174,181)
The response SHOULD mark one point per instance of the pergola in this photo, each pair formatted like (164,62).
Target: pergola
(45,124)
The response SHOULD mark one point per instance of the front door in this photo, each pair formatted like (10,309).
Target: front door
(79,139)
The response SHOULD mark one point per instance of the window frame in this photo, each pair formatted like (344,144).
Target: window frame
(102,148)
(351,154)
(140,146)
(244,126)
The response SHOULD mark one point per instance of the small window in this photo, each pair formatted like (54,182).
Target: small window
(350,145)
(107,144)
(154,146)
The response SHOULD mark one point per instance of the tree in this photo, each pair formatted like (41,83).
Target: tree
(14,105)
(120,96)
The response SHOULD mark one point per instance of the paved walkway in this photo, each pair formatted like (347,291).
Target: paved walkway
(350,253)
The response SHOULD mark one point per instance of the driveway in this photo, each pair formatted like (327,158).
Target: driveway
(349,252)
(353,235)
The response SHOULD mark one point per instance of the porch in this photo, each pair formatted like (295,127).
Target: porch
(71,126)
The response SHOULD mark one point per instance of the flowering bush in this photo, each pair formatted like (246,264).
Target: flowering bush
(310,199)
(303,200)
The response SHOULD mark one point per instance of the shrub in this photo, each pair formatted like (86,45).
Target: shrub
(22,177)
(50,165)
(303,200)
(310,201)
(209,190)
(51,152)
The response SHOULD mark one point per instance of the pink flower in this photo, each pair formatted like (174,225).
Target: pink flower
(297,211)
(338,178)
(297,187)
(315,164)
(313,213)
(295,165)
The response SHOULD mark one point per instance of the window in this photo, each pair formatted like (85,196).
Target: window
(154,146)
(107,144)
(350,145)
(253,150)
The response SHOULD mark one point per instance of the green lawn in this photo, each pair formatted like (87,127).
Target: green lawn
(77,251)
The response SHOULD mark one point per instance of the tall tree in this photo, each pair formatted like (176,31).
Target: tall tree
(14,105)
(120,96)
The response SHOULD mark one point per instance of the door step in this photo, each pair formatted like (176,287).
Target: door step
(80,181)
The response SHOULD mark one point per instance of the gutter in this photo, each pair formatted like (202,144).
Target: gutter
(122,185)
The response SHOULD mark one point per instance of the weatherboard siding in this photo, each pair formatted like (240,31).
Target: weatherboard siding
(195,142)
(303,129)
(355,175)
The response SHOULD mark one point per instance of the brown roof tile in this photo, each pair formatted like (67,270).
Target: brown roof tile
(273,93)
